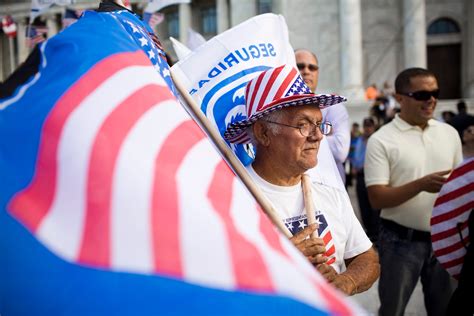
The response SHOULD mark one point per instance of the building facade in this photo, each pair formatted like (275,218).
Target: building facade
(358,42)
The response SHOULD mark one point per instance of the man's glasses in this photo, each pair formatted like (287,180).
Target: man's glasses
(311,67)
(307,129)
(423,95)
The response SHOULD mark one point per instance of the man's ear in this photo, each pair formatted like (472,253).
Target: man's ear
(399,98)
(260,132)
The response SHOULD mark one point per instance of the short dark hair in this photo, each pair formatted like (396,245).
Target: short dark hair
(403,80)
(461,106)
(368,121)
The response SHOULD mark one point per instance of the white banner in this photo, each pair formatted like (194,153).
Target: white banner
(156,5)
(217,72)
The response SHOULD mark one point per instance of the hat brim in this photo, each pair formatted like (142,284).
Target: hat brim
(236,132)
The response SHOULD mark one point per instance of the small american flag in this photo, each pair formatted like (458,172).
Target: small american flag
(9,26)
(35,34)
(153,19)
(449,221)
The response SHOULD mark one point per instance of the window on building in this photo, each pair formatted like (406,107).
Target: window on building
(209,20)
(443,26)
(172,20)
(264,6)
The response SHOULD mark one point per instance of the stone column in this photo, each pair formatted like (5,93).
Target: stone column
(414,33)
(351,49)
(279,6)
(53,26)
(23,50)
(222,12)
(468,63)
(184,21)
(241,10)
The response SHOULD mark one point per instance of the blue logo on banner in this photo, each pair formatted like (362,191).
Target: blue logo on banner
(225,104)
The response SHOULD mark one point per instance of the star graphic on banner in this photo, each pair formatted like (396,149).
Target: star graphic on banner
(166,72)
(151,54)
(289,226)
(134,28)
(143,41)
(301,224)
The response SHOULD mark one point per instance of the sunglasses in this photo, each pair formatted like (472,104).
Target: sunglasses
(423,95)
(311,67)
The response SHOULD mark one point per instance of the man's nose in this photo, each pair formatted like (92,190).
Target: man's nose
(316,134)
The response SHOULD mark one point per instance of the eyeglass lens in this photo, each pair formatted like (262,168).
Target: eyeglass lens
(424,95)
(310,129)
(311,67)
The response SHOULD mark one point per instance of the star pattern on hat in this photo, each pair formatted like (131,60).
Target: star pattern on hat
(298,87)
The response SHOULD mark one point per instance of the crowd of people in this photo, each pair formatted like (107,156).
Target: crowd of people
(396,161)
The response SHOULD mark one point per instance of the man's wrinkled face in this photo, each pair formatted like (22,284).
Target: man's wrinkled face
(418,112)
(290,149)
(308,67)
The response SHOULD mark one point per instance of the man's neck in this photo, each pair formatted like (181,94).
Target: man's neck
(422,126)
(274,175)
(468,150)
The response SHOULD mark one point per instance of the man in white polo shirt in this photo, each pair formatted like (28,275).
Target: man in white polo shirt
(406,164)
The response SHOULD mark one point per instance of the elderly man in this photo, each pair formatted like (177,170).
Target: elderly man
(285,122)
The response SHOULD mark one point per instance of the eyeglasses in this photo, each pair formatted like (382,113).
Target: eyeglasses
(423,95)
(311,67)
(309,128)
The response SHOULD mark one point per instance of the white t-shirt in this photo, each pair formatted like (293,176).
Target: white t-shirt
(338,226)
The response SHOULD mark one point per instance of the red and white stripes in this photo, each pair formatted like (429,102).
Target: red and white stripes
(268,87)
(450,215)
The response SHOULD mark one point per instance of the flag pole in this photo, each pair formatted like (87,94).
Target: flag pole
(12,54)
(230,157)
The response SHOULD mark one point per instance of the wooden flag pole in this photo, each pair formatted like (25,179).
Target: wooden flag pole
(230,157)
(308,203)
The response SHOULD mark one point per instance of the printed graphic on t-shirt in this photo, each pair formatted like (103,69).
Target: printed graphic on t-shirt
(297,223)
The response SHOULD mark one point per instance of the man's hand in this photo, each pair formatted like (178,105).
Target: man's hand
(327,271)
(312,248)
(433,182)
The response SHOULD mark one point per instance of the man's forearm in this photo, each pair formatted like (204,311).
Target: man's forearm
(383,196)
(362,271)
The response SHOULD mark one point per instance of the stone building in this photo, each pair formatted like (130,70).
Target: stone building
(358,42)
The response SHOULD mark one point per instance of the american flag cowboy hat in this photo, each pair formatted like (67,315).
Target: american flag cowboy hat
(274,89)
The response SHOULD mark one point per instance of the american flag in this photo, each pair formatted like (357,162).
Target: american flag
(153,19)
(297,223)
(113,175)
(35,34)
(449,221)
(9,26)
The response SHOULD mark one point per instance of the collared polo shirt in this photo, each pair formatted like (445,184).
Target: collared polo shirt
(399,153)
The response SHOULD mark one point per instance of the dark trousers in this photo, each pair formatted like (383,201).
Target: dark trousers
(403,262)
(370,217)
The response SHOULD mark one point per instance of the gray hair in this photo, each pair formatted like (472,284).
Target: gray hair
(275,129)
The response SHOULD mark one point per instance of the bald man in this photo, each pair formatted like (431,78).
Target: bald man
(339,140)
